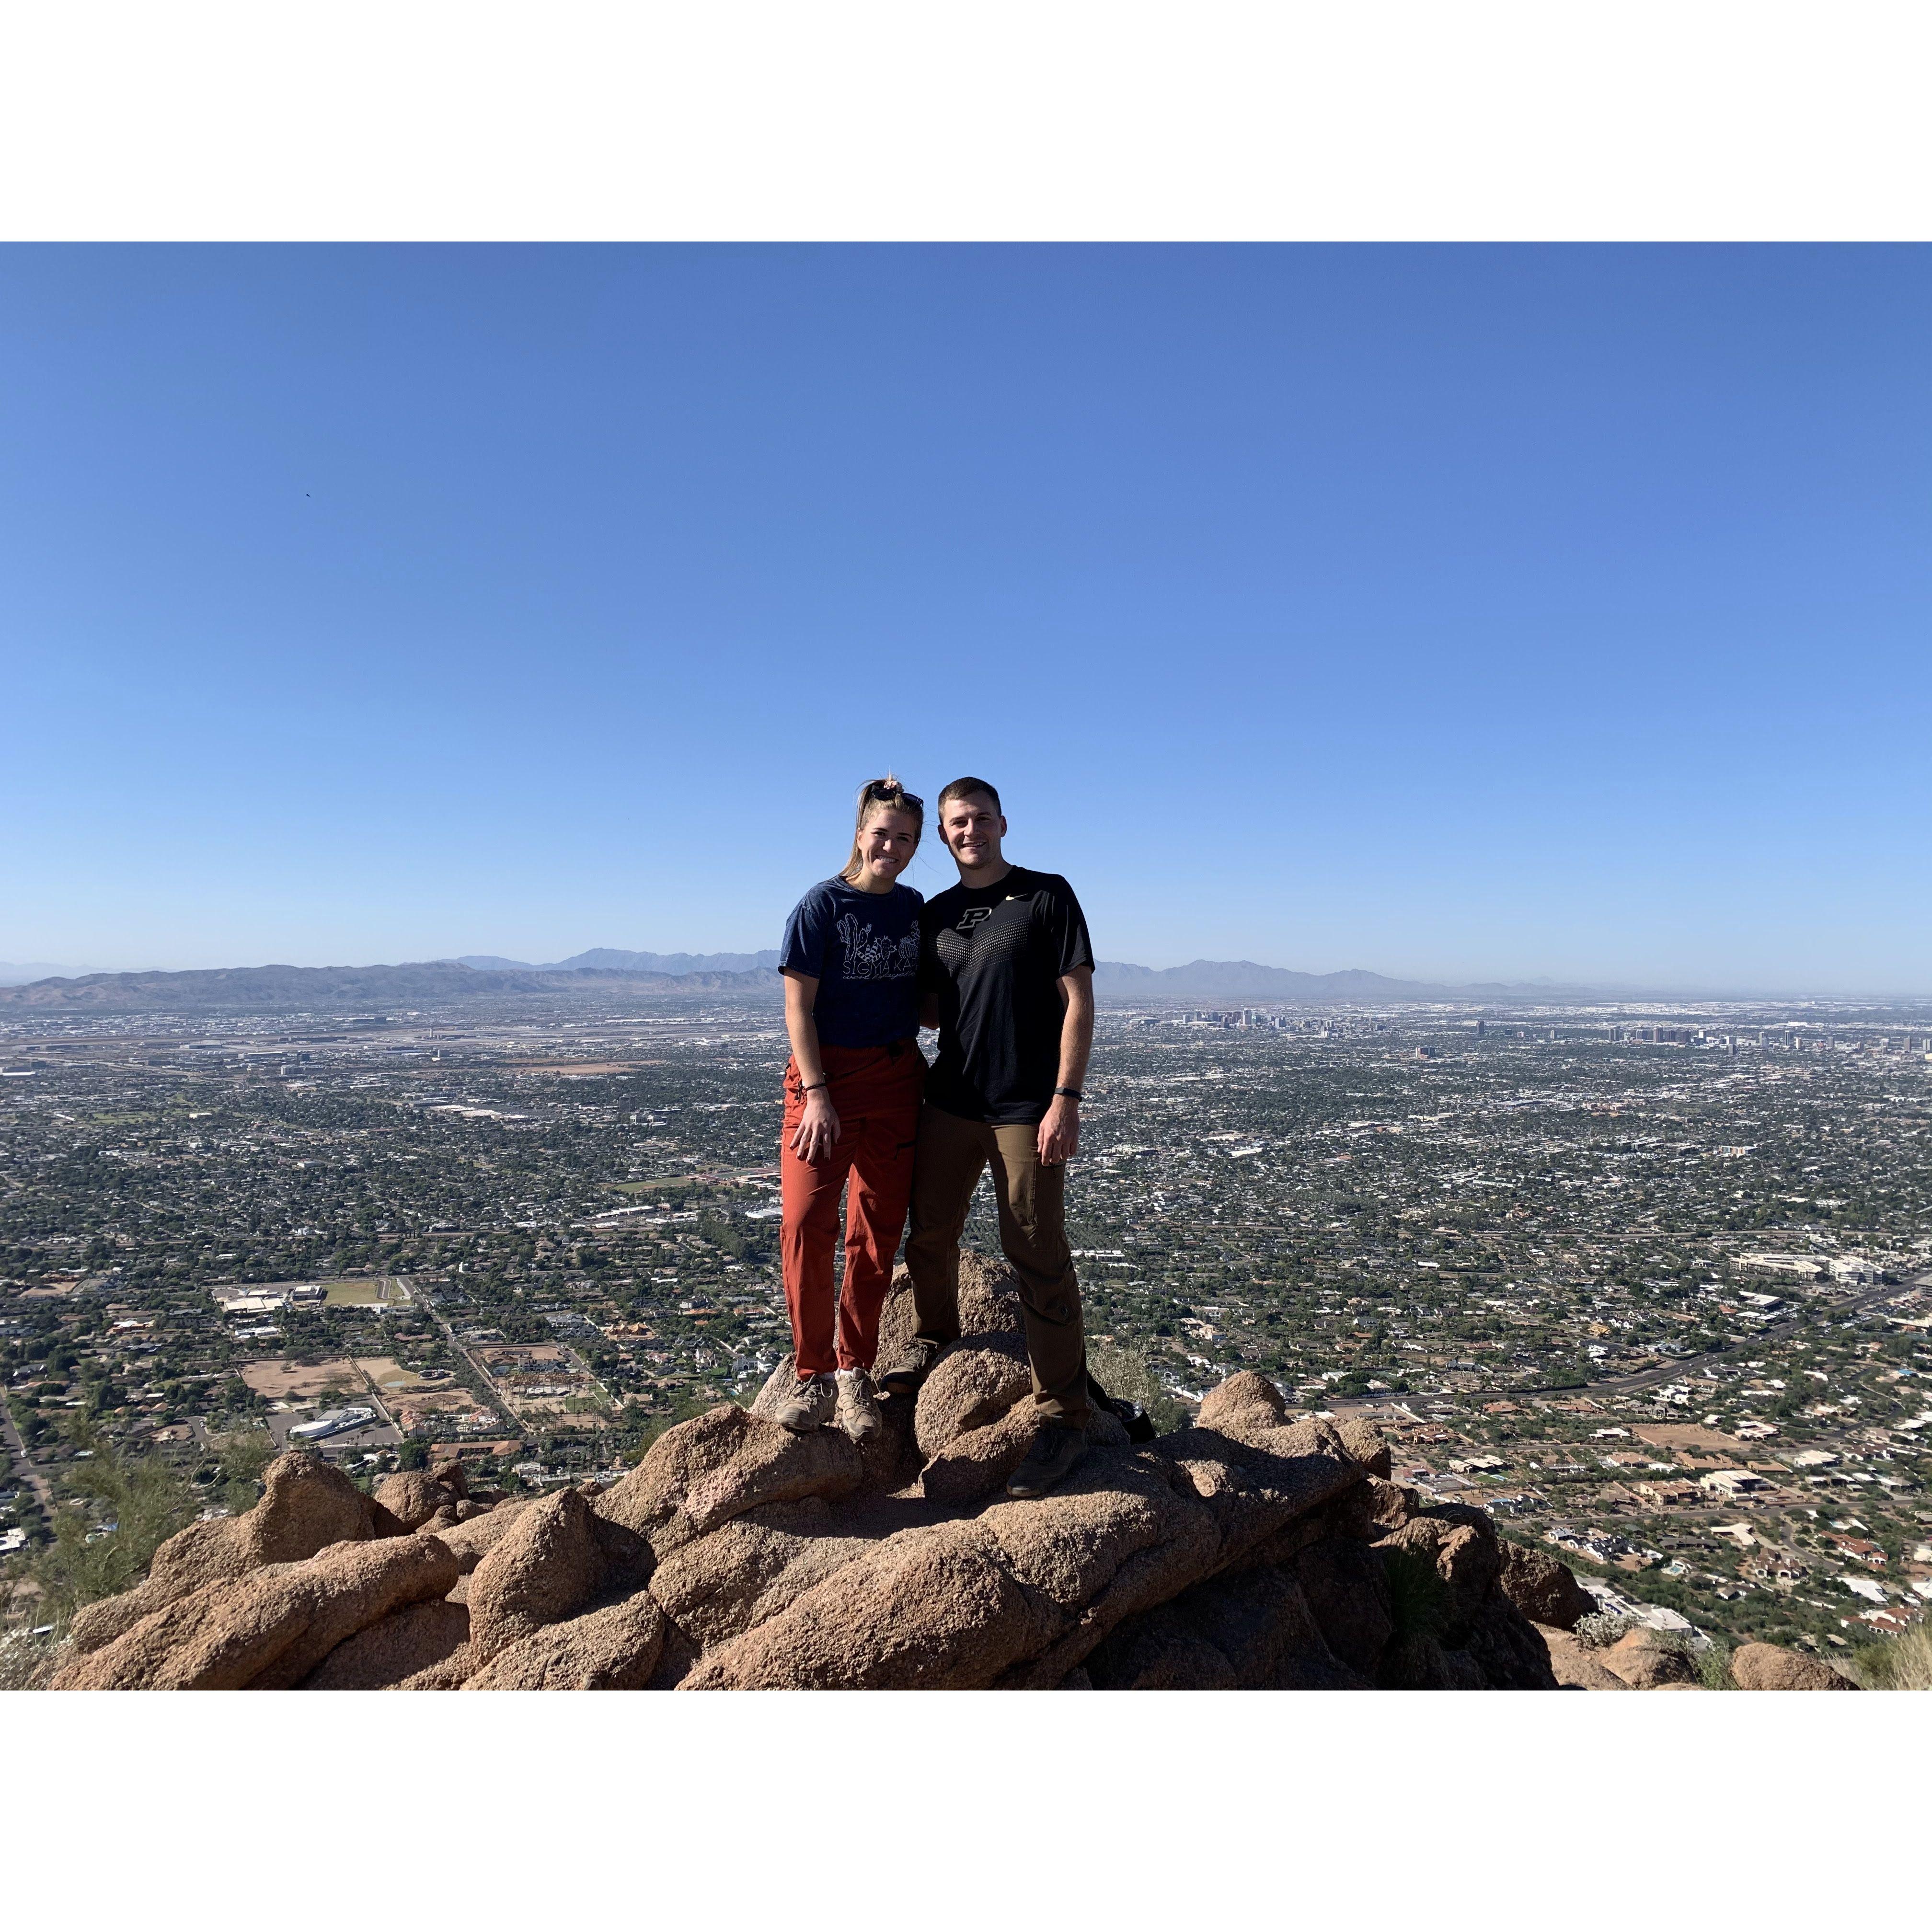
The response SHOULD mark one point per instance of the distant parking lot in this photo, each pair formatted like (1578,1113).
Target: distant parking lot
(378,1434)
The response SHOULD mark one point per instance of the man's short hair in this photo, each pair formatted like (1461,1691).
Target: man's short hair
(962,788)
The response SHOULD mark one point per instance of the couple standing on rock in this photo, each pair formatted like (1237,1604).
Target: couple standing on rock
(1002,965)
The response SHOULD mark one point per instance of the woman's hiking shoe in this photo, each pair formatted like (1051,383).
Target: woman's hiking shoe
(811,1405)
(905,1376)
(1056,1452)
(858,1408)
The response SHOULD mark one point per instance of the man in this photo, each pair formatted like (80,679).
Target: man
(1007,977)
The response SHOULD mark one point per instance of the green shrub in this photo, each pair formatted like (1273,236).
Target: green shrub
(1713,1667)
(241,1457)
(1600,1629)
(145,1497)
(1125,1372)
(1897,1664)
(27,1661)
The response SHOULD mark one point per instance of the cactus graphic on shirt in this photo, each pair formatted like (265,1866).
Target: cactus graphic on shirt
(869,958)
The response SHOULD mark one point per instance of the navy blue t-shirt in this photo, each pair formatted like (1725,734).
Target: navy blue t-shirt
(862,948)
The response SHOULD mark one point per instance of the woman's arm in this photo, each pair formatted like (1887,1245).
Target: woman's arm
(819,1128)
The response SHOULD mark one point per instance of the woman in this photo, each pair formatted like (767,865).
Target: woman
(850,962)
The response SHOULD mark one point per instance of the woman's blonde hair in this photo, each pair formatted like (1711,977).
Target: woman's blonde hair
(885,794)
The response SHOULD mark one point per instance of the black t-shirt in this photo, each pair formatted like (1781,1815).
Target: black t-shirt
(995,954)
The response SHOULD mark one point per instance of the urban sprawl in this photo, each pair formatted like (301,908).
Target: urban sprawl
(1650,1285)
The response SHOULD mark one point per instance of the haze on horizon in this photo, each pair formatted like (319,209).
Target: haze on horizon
(1457,614)
(1214,985)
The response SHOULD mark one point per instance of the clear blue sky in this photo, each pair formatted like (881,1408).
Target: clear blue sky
(1446,611)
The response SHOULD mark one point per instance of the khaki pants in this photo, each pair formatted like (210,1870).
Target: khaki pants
(952,1155)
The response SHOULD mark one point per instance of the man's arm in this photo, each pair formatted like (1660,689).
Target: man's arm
(929,970)
(1059,1137)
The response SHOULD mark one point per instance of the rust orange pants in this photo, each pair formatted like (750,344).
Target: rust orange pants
(876,1091)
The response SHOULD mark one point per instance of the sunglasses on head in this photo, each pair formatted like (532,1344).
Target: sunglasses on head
(879,793)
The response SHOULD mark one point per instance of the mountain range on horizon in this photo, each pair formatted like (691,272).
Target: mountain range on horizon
(612,973)
(612,959)
(1199,980)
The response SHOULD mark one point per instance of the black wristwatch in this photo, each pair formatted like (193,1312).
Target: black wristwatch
(1072,1093)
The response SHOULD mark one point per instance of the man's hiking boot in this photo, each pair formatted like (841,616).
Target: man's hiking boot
(810,1406)
(905,1376)
(1056,1452)
(858,1408)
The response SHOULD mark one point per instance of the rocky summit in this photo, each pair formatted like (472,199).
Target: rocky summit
(1250,1551)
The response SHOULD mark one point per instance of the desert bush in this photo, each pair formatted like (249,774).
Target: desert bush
(1713,1664)
(27,1660)
(145,1498)
(240,1458)
(1601,1628)
(1900,1663)
(1125,1372)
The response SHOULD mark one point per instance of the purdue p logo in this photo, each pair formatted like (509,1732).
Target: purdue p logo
(972,916)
